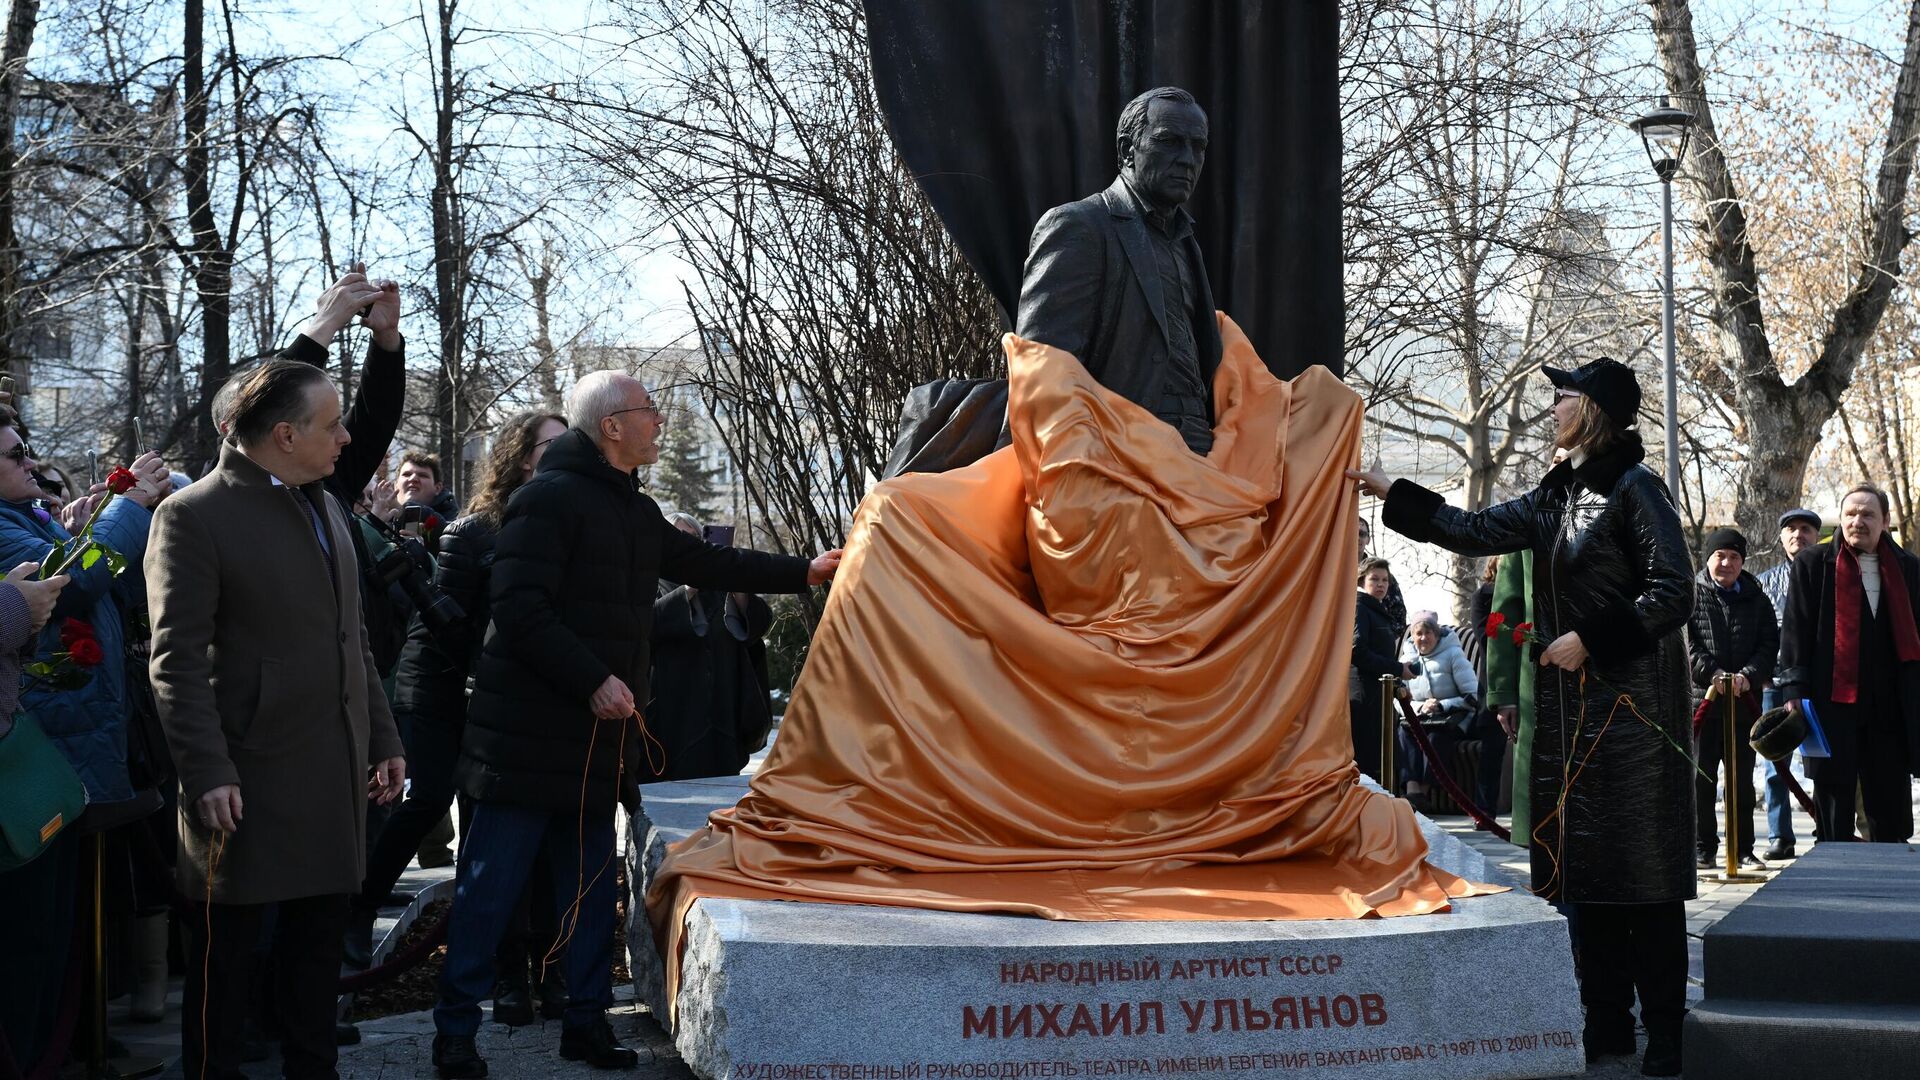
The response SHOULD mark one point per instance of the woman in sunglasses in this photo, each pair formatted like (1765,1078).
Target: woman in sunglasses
(88,724)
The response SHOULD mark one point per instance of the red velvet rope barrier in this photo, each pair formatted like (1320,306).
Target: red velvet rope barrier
(1481,819)
(402,961)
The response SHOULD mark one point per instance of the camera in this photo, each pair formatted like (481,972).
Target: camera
(409,565)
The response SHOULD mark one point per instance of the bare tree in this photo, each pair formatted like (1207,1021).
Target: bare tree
(1783,418)
(1482,242)
(825,287)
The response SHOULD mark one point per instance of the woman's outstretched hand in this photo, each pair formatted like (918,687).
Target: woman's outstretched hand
(1372,481)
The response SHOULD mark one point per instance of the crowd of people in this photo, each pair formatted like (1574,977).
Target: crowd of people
(272,684)
(1611,664)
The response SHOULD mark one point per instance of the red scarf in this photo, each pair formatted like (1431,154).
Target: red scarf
(1894,605)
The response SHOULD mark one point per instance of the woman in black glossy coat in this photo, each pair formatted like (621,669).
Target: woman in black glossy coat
(1614,585)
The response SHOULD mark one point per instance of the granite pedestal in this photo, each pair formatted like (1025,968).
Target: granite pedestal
(802,991)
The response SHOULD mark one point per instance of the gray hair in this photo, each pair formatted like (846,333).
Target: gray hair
(595,397)
(1133,118)
(679,520)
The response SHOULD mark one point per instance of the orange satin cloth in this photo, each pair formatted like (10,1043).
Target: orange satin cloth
(1092,676)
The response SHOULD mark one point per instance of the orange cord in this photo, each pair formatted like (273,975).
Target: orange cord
(571,917)
(215,847)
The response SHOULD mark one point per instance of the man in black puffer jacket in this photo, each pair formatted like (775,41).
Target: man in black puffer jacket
(552,744)
(1732,630)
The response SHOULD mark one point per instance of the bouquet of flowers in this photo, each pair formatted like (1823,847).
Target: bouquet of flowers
(71,667)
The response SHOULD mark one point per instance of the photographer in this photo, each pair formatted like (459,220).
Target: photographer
(430,693)
(420,484)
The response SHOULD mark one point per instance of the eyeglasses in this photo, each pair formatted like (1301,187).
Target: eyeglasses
(19,454)
(1564,392)
(654,409)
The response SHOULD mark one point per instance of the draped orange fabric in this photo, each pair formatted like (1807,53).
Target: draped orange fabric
(1093,676)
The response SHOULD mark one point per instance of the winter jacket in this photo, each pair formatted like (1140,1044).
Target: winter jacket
(1610,562)
(430,682)
(575,568)
(1773,582)
(1736,635)
(88,724)
(1445,673)
(1374,655)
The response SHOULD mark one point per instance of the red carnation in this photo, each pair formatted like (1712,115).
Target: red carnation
(121,481)
(86,652)
(1494,622)
(72,630)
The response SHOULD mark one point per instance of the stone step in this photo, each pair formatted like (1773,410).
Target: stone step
(1769,1040)
(1842,924)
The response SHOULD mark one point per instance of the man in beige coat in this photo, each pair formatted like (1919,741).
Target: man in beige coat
(274,715)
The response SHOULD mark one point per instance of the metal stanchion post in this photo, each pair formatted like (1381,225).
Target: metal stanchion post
(99,1065)
(1730,759)
(1389,690)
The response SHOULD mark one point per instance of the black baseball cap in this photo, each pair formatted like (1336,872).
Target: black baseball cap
(1798,513)
(1610,383)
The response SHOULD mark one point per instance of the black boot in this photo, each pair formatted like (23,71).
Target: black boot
(1605,1040)
(513,1006)
(595,1044)
(455,1058)
(553,992)
(1663,1053)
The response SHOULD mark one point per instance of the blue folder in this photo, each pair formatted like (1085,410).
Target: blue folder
(1816,741)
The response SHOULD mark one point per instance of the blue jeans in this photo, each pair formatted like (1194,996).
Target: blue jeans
(1779,797)
(495,859)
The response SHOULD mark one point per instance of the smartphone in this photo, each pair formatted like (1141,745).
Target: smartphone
(717,535)
(6,386)
(93,468)
(139,438)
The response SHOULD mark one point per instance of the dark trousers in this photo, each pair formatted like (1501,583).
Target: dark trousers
(1363,717)
(496,859)
(1629,947)
(432,749)
(38,905)
(1709,754)
(306,971)
(1876,762)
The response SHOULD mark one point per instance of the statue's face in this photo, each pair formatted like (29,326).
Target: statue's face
(1163,164)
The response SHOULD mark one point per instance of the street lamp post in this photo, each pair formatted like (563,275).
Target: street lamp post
(1664,132)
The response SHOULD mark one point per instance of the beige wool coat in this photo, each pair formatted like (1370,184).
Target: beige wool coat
(263,677)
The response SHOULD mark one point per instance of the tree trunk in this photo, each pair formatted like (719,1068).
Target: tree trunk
(22,18)
(213,263)
(449,255)
(1784,420)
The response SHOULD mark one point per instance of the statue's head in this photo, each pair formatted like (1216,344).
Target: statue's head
(1162,142)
